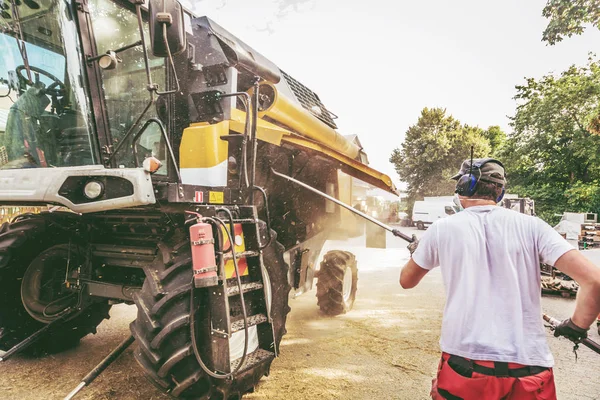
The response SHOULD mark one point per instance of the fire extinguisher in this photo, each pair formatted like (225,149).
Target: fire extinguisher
(203,254)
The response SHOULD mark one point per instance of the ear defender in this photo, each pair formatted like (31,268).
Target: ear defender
(501,195)
(466,185)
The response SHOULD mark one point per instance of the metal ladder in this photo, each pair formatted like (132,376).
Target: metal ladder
(226,316)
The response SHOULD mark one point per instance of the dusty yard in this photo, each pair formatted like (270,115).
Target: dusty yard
(386,348)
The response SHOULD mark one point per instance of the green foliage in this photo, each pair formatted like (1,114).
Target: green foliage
(568,17)
(434,149)
(496,137)
(552,155)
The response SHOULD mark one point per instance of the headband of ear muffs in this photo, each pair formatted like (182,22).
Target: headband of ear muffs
(467,184)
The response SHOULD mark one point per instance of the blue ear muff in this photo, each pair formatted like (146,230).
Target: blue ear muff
(472,184)
(501,195)
(466,185)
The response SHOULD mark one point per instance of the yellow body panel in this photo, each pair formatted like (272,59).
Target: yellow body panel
(284,111)
(351,167)
(266,131)
(201,145)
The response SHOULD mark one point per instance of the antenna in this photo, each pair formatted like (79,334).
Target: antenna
(471,169)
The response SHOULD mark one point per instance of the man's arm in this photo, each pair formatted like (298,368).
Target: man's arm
(587,275)
(412,274)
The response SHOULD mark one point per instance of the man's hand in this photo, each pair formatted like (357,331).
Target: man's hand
(412,246)
(571,331)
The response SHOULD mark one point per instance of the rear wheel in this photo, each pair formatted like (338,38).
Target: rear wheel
(338,282)
(33,264)
(162,330)
(420,225)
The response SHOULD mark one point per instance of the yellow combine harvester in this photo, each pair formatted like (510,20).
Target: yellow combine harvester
(172,151)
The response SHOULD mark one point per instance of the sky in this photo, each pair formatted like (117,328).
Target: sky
(378,63)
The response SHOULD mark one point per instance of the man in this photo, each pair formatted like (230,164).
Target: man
(493,340)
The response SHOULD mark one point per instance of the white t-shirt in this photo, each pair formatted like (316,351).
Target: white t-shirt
(490,261)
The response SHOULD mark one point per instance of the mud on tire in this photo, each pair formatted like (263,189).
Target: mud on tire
(21,242)
(338,282)
(162,330)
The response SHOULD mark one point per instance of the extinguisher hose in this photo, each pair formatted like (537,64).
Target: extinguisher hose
(216,222)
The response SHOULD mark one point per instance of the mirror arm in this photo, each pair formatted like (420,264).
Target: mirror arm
(152,87)
(90,59)
(171,62)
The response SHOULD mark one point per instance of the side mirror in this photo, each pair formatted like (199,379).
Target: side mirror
(167,29)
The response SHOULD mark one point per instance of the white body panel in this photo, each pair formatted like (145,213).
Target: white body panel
(211,176)
(42,185)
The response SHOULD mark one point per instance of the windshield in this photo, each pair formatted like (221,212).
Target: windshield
(44,114)
(125,87)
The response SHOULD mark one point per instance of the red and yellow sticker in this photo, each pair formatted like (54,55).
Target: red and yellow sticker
(240,246)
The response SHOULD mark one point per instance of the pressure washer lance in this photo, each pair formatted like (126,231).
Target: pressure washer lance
(388,228)
(93,374)
(34,337)
(586,342)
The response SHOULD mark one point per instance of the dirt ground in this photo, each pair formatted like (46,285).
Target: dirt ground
(386,348)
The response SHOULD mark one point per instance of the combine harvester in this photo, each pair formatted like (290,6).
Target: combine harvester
(196,173)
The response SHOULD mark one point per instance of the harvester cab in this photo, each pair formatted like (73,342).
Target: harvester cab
(182,160)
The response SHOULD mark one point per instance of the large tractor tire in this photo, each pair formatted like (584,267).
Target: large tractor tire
(162,332)
(33,259)
(338,282)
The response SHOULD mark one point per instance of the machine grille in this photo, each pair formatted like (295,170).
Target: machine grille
(309,100)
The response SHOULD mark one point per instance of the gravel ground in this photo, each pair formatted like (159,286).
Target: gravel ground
(387,347)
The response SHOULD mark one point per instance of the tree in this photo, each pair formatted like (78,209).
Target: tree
(432,152)
(496,137)
(552,155)
(568,17)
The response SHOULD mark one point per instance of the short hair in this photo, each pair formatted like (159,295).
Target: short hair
(487,191)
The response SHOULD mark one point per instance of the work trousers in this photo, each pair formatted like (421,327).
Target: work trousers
(449,384)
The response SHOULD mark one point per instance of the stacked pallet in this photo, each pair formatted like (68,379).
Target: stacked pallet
(559,287)
(589,237)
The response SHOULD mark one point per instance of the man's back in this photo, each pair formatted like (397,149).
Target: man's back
(490,265)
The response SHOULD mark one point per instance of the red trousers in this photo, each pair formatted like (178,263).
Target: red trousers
(451,385)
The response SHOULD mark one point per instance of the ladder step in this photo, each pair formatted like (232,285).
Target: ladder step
(245,221)
(252,320)
(249,253)
(259,356)
(234,290)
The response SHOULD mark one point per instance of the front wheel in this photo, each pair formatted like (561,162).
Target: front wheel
(420,226)
(338,282)
(33,262)
(162,328)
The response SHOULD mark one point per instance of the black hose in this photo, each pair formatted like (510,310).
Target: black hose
(193,311)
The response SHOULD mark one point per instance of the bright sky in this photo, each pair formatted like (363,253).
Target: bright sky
(377,63)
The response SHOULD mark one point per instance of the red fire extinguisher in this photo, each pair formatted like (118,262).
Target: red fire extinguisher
(203,254)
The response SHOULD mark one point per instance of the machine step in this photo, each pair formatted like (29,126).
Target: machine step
(252,320)
(234,290)
(245,221)
(253,359)
(249,253)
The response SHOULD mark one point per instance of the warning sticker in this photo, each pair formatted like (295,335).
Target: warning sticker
(216,197)
(240,247)
(199,197)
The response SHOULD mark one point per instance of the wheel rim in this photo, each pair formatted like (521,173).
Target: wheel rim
(347,284)
(43,293)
